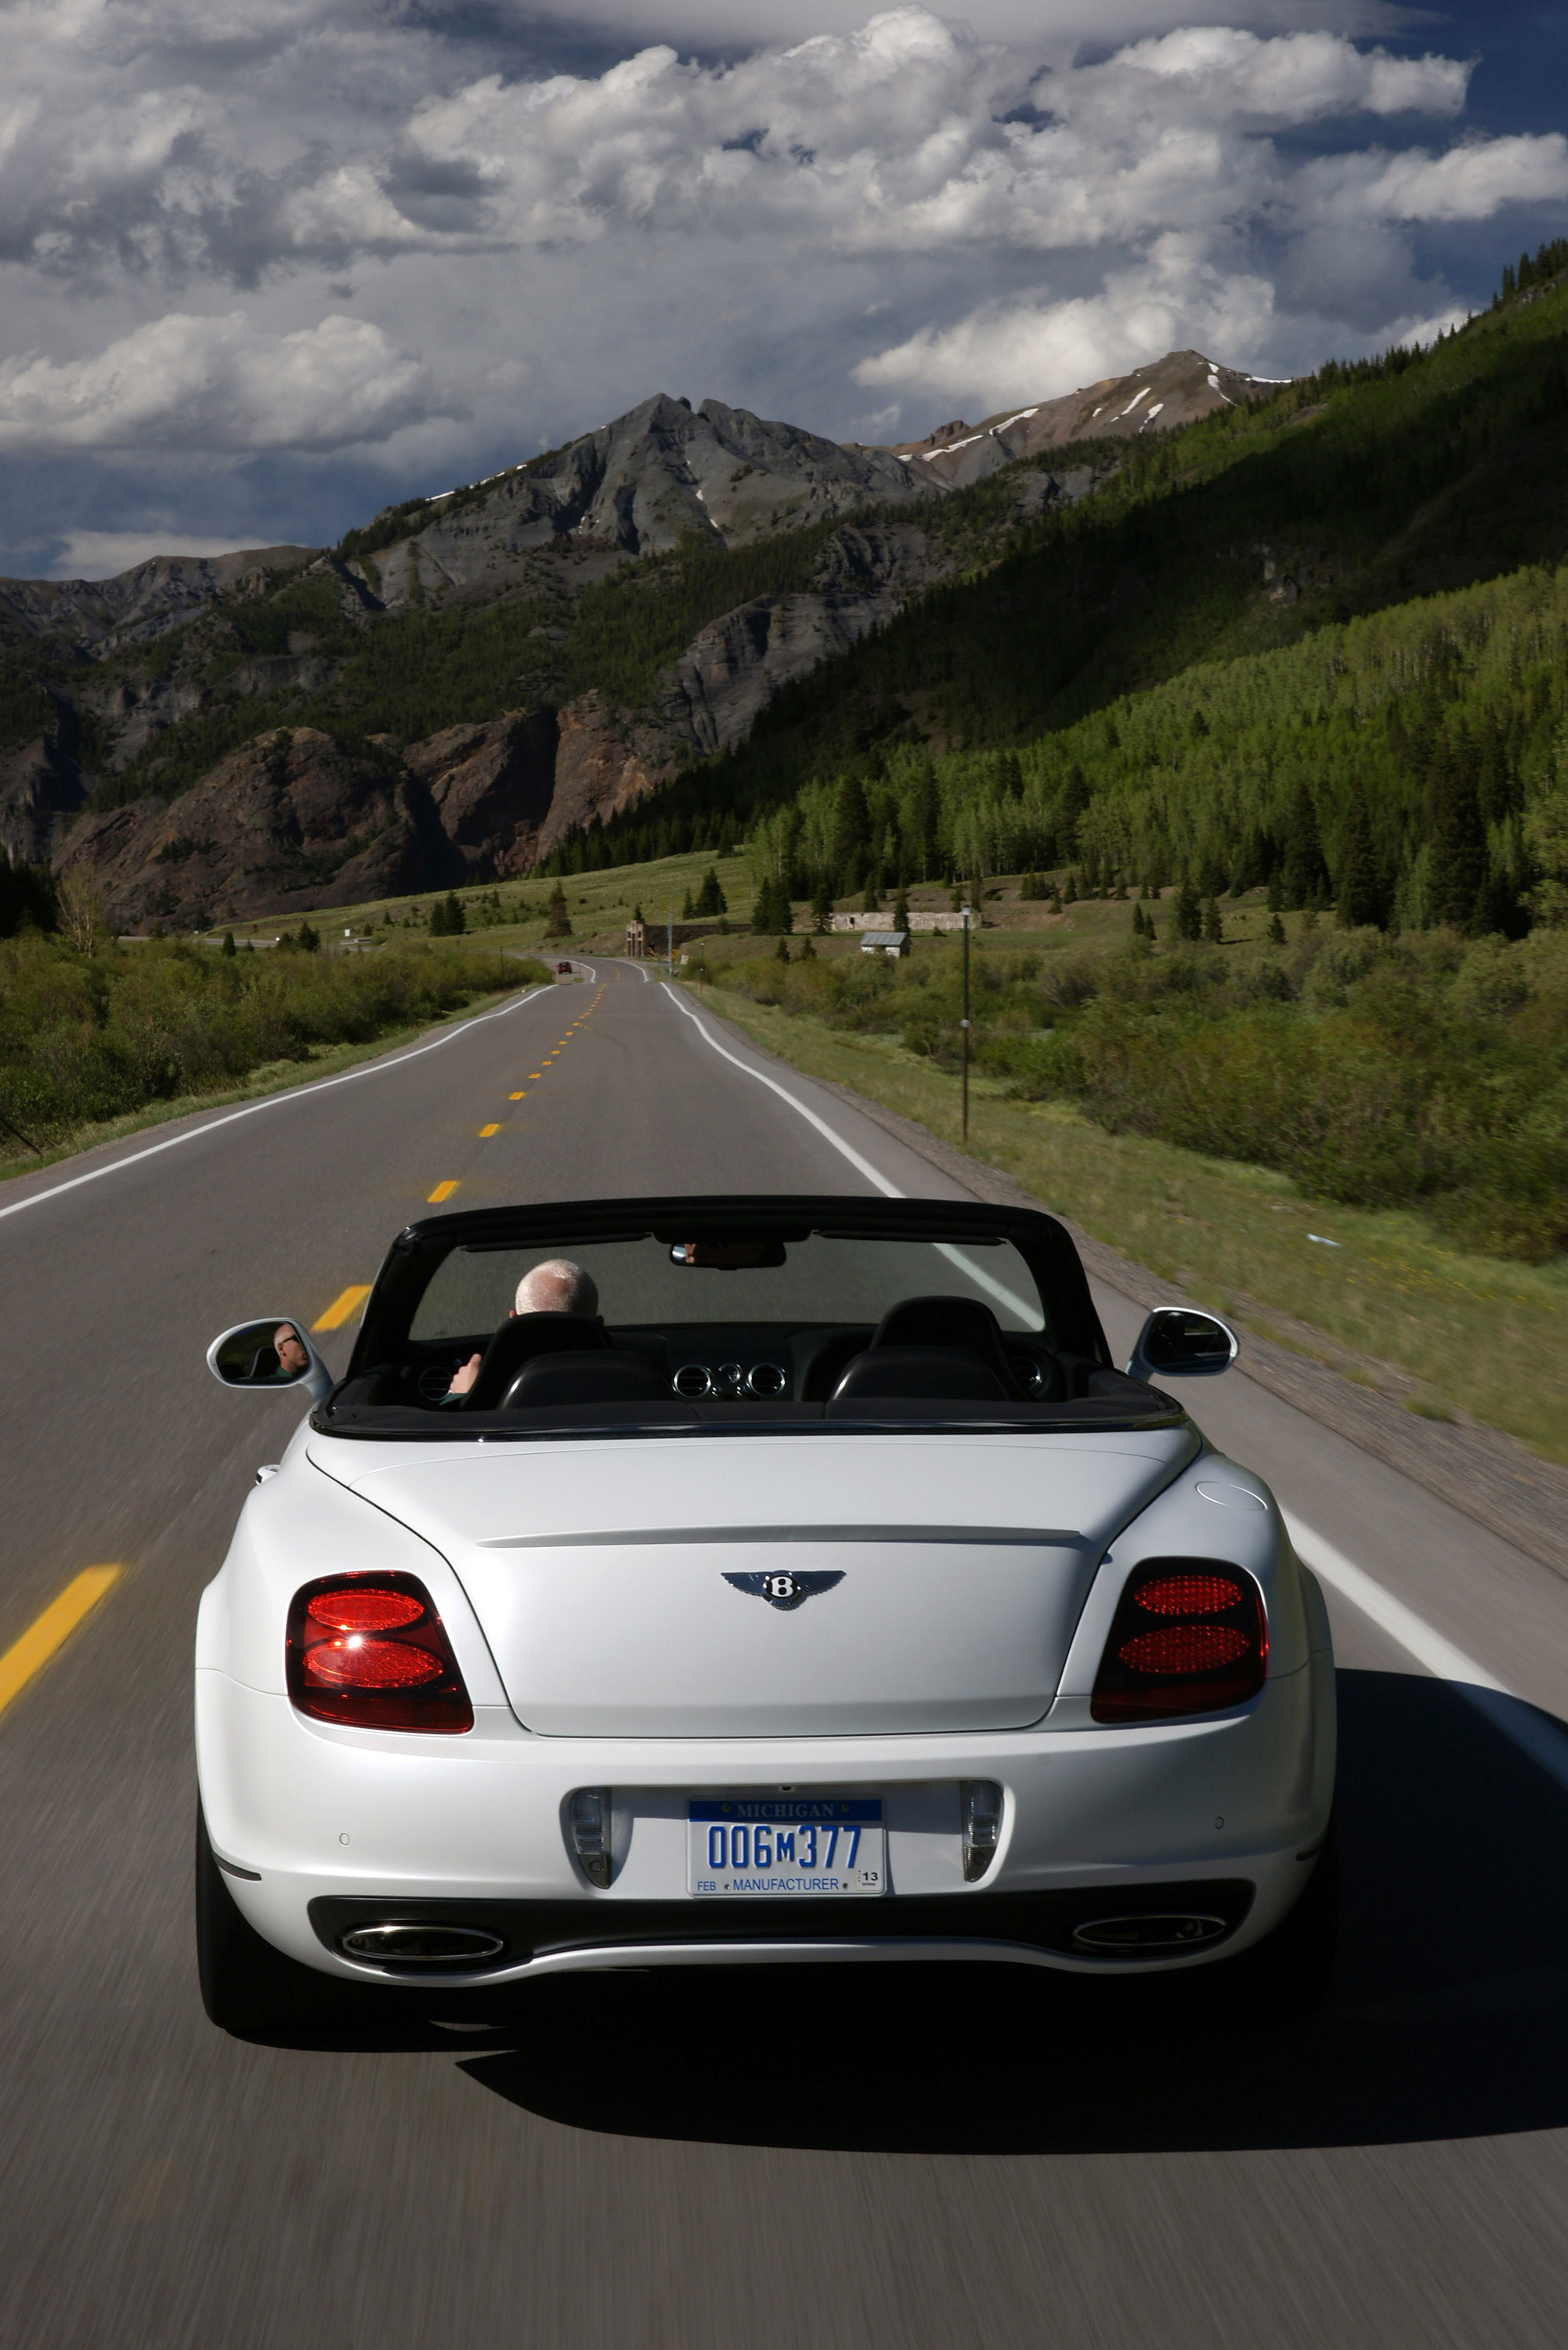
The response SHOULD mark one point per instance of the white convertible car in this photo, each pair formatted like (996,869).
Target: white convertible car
(824,1594)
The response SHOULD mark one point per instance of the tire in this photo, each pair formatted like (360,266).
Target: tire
(249,1989)
(1287,1974)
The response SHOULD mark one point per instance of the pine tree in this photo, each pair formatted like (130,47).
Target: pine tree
(557,919)
(781,950)
(1187,914)
(310,940)
(1358,894)
(711,898)
(1276,932)
(851,833)
(688,908)
(822,908)
(1305,874)
(229,946)
(1137,920)
(1457,869)
(902,912)
(1213,927)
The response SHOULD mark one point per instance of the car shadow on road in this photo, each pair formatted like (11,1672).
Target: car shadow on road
(1443,2019)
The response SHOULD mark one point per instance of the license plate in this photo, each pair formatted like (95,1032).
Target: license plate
(805,1844)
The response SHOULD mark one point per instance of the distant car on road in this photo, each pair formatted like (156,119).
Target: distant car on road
(563,970)
(829,1594)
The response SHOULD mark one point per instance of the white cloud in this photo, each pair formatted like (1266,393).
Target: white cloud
(104,554)
(404,225)
(215,383)
(1006,351)
(1469,183)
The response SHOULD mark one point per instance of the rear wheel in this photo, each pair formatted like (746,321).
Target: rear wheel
(247,1987)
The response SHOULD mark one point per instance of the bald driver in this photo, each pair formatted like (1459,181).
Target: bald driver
(557,1286)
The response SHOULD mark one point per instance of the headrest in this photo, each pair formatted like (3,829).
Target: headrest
(948,1321)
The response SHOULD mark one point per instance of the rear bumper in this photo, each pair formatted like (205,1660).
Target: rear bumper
(541,1937)
(1218,1818)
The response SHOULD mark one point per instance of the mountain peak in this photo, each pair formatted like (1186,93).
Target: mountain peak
(1157,397)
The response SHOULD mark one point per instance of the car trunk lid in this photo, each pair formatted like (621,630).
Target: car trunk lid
(759,1587)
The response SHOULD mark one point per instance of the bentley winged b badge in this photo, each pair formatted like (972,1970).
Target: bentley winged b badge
(784,1590)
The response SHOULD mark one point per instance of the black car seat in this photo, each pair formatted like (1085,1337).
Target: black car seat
(828,1363)
(941,1323)
(932,1374)
(604,1376)
(522,1341)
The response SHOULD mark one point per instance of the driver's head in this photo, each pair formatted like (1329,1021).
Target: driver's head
(557,1286)
(291,1354)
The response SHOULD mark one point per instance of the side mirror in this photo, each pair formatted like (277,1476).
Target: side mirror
(1177,1342)
(274,1354)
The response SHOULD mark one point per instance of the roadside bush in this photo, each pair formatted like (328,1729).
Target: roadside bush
(1378,1070)
(85,1039)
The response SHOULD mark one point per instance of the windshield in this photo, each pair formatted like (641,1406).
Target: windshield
(697,1315)
(823,1279)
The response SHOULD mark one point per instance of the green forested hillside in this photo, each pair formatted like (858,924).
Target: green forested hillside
(1412,764)
(1185,670)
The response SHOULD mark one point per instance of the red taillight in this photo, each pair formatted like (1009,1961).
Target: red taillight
(362,1664)
(371,1651)
(1188,1594)
(1209,1650)
(1184,1648)
(370,1610)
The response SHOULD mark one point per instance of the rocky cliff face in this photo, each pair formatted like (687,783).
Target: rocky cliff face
(293,823)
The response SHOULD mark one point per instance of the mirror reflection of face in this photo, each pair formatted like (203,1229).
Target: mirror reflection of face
(292,1356)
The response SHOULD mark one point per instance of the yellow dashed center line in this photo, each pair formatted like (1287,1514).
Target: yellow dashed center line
(486,1131)
(342,1307)
(57,1622)
(518,1097)
(442,1191)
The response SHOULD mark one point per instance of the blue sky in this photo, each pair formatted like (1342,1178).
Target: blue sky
(259,284)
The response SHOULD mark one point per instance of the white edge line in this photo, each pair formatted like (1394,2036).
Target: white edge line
(1534,1733)
(977,1274)
(272,1101)
(846,1150)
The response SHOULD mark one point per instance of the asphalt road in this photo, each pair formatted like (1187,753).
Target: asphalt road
(910,2156)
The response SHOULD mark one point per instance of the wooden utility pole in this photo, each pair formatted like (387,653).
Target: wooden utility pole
(964,1029)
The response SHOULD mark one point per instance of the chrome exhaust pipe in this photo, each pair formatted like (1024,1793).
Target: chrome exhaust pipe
(422,1946)
(1148,1935)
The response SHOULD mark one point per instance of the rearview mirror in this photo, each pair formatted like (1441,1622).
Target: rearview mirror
(729,1256)
(1176,1342)
(273,1353)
